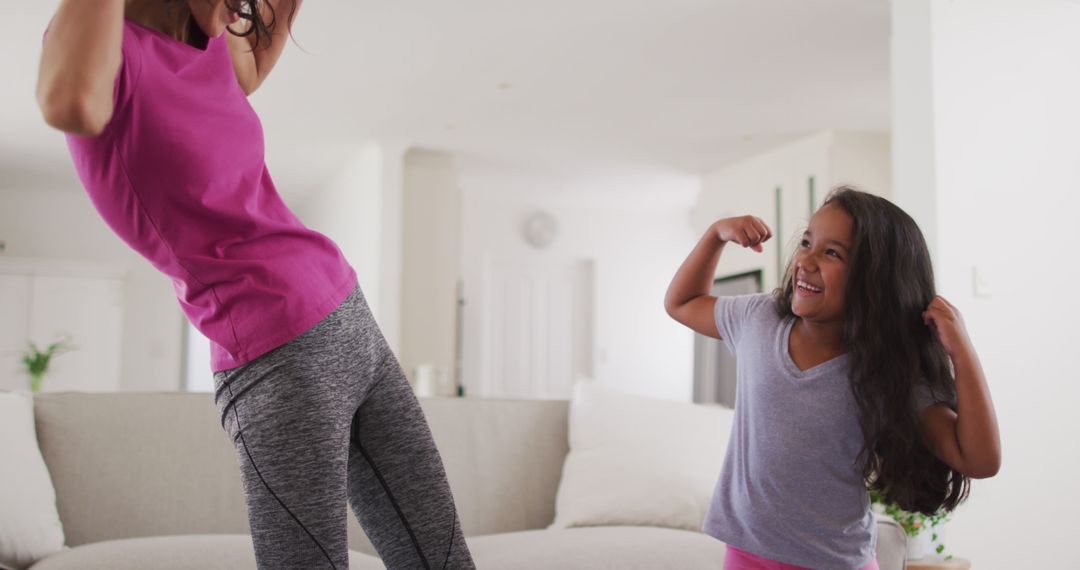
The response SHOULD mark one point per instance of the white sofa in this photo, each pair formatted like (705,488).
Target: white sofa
(150,481)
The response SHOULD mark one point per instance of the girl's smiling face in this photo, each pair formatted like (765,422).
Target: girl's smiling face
(820,266)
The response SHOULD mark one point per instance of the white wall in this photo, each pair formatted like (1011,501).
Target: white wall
(347,210)
(861,159)
(635,227)
(62,224)
(997,178)
(431,264)
(749,187)
(913,152)
(390,241)
(360,209)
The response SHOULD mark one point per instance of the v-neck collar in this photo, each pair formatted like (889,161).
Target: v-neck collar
(171,40)
(793,370)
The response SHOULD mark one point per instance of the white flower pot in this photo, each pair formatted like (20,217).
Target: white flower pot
(923,544)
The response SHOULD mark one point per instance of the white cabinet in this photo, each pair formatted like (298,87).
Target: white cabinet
(42,300)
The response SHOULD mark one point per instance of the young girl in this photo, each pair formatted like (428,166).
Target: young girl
(852,374)
(153,94)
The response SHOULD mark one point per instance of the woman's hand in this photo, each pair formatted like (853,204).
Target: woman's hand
(947,324)
(747,231)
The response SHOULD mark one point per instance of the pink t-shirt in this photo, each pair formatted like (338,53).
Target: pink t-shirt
(179,174)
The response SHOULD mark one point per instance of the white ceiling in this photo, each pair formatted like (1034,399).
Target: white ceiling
(679,85)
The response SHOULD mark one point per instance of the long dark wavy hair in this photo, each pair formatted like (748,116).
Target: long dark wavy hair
(890,283)
(261,15)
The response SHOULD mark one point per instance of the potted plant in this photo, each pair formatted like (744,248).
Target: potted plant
(37,361)
(924,536)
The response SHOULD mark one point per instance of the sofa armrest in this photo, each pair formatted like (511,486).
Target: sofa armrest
(891,543)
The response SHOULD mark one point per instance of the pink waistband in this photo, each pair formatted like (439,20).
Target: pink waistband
(738,559)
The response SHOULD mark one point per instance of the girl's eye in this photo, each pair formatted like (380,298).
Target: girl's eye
(833,253)
(804,243)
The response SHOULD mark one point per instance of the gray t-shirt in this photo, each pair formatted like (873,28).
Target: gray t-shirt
(790,489)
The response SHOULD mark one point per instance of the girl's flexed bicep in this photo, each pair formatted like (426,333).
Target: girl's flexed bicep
(697,315)
(688,300)
(80,59)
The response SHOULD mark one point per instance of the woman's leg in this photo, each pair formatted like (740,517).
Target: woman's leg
(289,413)
(329,415)
(292,446)
(397,484)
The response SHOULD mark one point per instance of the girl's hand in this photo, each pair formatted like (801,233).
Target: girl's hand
(946,322)
(688,300)
(747,231)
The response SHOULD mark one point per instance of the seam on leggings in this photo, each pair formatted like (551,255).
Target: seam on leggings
(234,398)
(453,529)
(394,503)
(267,485)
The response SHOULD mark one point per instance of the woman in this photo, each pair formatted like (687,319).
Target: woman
(153,97)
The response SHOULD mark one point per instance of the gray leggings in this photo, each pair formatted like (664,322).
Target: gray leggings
(328,418)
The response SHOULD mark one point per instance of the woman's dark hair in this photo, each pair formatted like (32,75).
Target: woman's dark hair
(262,20)
(890,282)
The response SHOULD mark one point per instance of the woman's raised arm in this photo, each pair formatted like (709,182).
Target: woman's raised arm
(254,63)
(79,62)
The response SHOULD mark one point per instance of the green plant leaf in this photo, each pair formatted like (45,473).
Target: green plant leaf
(37,361)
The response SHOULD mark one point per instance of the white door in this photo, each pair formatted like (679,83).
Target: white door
(44,300)
(14,324)
(535,329)
(89,311)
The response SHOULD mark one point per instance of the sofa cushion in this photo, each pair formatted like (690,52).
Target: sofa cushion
(189,552)
(29,523)
(503,459)
(598,548)
(639,461)
(129,465)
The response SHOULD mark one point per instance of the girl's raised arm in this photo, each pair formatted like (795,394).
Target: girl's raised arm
(79,62)
(967,439)
(688,300)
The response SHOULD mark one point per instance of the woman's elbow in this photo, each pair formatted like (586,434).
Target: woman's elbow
(73,113)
